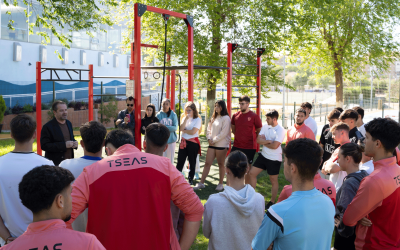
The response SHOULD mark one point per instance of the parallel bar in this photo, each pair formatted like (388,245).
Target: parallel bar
(239,96)
(64,80)
(168,12)
(229,79)
(149,45)
(65,69)
(69,75)
(38,105)
(182,67)
(245,64)
(111,95)
(240,47)
(244,75)
(55,72)
(121,77)
(243,86)
(249,107)
(90,93)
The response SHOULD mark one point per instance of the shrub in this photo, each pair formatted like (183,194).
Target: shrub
(8,111)
(46,106)
(27,108)
(71,104)
(3,108)
(108,110)
(17,109)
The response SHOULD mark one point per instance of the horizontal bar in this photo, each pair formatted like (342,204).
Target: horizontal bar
(44,70)
(249,96)
(245,64)
(243,75)
(243,86)
(162,11)
(240,47)
(66,69)
(121,77)
(65,80)
(149,45)
(182,67)
(111,95)
(249,107)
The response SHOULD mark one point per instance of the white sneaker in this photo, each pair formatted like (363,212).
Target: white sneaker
(199,186)
(220,187)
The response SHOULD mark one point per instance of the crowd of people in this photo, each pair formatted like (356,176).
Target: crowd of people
(347,184)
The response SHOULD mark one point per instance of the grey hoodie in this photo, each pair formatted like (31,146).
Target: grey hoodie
(344,196)
(232,218)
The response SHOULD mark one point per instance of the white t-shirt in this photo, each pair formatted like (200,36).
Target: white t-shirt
(368,166)
(337,178)
(362,129)
(276,133)
(312,124)
(76,167)
(190,124)
(13,166)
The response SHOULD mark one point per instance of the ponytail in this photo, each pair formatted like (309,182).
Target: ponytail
(237,163)
(353,150)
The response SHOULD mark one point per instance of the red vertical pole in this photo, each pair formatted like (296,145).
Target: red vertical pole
(90,104)
(137,77)
(258,91)
(132,64)
(173,89)
(229,80)
(168,79)
(38,105)
(190,63)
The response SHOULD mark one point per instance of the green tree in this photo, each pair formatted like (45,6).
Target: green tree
(3,108)
(216,22)
(73,15)
(334,37)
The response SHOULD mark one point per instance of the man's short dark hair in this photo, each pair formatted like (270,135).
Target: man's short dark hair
(360,111)
(130,98)
(334,114)
(157,135)
(273,114)
(306,154)
(301,111)
(244,98)
(93,134)
(386,130)
(54,107)
(349,114)
(340,126)
(118,138)
(305,105)
(23,128)
(339,108)
(40,186)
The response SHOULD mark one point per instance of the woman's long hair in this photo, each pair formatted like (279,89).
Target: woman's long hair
(153,114)
(224,110)
(192,106)
(167,100)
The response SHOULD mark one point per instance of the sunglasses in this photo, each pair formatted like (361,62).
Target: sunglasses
(129,105)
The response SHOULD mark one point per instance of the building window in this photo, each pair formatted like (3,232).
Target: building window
(114,39)
(37,10)
(20,25)
(80,40)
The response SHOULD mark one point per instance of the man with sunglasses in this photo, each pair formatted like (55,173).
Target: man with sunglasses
(126,118)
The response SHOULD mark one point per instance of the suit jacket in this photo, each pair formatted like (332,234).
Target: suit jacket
(52,141)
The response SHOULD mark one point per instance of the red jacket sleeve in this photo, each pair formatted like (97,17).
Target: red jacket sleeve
(369,196)
(183,196)
(80,196)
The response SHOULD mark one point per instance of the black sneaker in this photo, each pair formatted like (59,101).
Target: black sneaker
(267,205)
(190,182)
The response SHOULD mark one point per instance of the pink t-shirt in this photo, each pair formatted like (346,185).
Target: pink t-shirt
(53,234)
(297,132)
(324,186)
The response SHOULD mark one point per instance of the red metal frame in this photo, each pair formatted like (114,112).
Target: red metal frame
(90,101)
(173,81)
(229,84)
(168,78)
(140,9)
(38,105)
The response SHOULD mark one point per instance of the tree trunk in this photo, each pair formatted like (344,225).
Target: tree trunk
(211,93)
(338,81)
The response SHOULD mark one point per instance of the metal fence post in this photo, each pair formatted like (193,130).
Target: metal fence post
(291,119)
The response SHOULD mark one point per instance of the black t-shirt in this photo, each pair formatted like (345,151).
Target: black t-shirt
(353,136)
(328,144)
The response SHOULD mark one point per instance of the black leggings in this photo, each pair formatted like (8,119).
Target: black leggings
(191,151)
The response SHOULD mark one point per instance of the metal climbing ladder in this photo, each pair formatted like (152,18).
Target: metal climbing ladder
(231,48)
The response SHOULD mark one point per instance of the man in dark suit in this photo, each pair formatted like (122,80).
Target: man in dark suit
(57,138)
(126,117)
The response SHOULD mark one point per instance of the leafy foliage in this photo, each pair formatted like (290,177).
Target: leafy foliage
(3,108)
(108,110)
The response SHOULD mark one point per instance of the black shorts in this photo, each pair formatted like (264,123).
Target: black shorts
(217,148)
(271,166)
(248,152)
(343,243)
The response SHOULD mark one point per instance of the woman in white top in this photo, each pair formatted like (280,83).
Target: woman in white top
(219,137)
(231,218)
(190,144)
